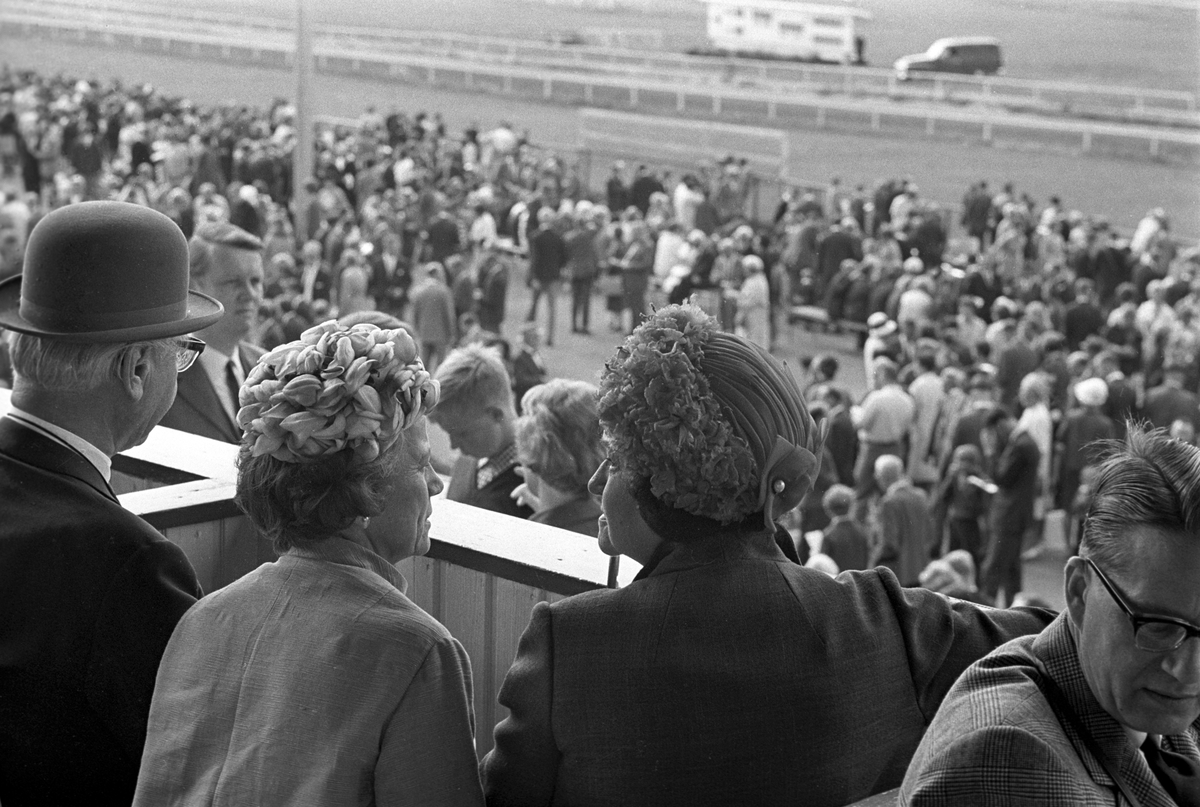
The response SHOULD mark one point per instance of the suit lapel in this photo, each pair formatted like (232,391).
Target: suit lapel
(27,446)
(197,391)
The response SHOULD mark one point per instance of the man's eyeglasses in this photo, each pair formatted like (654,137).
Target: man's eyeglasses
(1154,634)
(187,350)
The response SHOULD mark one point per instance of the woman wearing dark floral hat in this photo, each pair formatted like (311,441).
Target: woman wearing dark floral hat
(725,673)
(314,680)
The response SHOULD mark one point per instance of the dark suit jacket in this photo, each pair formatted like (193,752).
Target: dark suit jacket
(997,740)
(495,495)
(89,595)
(1015,474)
(906,532)
(1165,405)
(730,675)
(198,410)
(847,543)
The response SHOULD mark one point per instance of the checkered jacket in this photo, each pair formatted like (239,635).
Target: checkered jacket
(997,741)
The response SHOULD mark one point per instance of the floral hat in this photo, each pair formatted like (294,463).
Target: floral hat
(335,388)
(713,424)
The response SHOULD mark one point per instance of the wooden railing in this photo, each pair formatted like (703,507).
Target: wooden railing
(481,578)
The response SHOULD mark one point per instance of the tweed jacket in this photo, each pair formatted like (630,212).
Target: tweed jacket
(997,741)
(730,675)
(89,595)
(198,410)
(312,680)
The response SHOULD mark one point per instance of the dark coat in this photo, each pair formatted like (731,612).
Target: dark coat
(1016,474)
(847,543)
(198,410)
(89,595)
(730,675)
(547,256)
(495,495)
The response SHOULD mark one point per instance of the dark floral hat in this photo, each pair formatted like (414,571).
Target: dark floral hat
(711,423)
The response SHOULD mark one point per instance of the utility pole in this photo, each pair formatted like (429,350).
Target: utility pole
(302,158)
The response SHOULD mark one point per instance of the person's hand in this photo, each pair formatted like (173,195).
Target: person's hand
(525,498)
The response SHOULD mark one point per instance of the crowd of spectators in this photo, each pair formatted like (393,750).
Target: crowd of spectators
(993,358)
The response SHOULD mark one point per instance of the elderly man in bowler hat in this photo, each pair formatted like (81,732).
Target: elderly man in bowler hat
(226,263)
(89,593)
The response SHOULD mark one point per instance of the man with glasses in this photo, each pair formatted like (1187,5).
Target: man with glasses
(89,593)
(1103,706)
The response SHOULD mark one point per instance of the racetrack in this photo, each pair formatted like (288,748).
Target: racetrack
(1119,190)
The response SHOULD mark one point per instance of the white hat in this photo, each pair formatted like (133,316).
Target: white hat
(879,325)
(1091,392)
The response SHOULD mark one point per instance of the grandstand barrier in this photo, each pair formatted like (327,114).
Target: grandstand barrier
(482,576)
(644,92)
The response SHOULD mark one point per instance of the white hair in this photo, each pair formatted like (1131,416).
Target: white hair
(57,366)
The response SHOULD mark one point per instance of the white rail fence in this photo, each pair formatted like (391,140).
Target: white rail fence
(210,38)
(1144,104)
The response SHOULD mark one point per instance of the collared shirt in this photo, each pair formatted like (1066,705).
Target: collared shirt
(101,461)
(214,362)
(491,467)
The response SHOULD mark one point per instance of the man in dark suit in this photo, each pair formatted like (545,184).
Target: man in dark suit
(89,593)
(476,410)
(905,525)
(1013,456)
(226,263)
(1086,712)
(844,540)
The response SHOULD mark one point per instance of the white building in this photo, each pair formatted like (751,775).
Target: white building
(784,28)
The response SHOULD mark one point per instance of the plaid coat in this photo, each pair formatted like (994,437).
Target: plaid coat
(729,675)
(996,740)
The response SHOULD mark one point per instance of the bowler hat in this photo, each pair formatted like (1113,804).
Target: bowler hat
(105,272)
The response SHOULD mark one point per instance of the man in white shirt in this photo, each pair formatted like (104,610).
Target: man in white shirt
(89,592)
(226,263)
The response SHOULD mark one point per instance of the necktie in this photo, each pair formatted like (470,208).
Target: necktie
(1177,774)
(234,384)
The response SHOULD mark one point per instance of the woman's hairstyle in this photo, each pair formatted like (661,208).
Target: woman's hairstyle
(1150,480)
(712,429)
(321,419)
(558,434)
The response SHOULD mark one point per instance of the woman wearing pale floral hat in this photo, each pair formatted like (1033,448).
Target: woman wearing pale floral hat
(725,673)
(313,679)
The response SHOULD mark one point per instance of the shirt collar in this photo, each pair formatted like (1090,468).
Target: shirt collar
(101,461)
(213,361)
